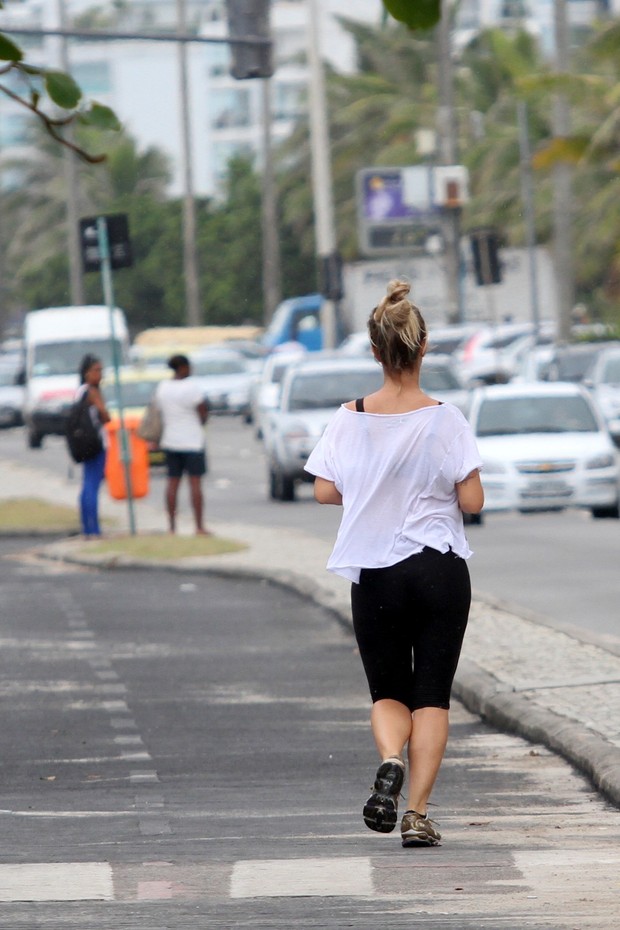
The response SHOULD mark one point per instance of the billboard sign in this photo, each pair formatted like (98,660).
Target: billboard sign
(395,212)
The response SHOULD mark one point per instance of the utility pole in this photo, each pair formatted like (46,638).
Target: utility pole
(272,279)
(527,196)
(562,184)
(325,232)
(190,254)
(76,280)
(447,154)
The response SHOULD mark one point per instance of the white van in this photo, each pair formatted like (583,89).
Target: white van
(55,342)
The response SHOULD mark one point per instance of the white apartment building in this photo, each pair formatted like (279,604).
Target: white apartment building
(140,79)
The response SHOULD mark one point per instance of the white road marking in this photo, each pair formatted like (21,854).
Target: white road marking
(57,881)
(278,878)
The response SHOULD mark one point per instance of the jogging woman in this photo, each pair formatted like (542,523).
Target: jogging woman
(405,468)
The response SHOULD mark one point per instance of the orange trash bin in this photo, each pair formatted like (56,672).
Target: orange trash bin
(139,464)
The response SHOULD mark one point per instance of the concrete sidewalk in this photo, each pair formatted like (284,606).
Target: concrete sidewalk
(516,671)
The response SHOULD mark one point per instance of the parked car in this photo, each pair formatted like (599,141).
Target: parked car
(138,386)
(225,377)
(573,362)
(491,354)
(604,382)
(265,389)
(312,391)
(544,447)
(439,379)
(12,392)
(445,340)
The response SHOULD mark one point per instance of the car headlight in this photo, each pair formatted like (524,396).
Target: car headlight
(295,433)
(604,460)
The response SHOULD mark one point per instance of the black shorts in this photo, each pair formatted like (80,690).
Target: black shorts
(192,463)
(409,621)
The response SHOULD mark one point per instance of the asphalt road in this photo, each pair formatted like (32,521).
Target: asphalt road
(180,752)
(562,566)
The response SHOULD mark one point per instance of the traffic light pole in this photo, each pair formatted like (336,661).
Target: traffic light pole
(108,290)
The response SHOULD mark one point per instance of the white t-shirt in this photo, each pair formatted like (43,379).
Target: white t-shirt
(397,476)
(177,400)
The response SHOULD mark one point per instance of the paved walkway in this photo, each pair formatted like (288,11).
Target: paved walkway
(517,672)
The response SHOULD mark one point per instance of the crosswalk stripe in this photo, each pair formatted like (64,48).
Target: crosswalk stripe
(275,878)
(56,881)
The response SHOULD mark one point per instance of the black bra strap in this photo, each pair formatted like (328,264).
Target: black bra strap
(359,405)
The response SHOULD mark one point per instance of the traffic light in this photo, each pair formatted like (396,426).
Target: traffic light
(249,19)
(485,249)
(332,287)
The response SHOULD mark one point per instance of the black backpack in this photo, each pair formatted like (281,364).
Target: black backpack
(83,438)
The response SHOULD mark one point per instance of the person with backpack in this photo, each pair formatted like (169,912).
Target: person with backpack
(89,394)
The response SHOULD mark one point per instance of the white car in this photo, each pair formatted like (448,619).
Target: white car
(491,355)
(265,390)
(604,382)
(544,447)
(312,391)
(12,393)
(225,378)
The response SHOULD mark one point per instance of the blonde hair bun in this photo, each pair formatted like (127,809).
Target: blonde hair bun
(397,290)
(396,327)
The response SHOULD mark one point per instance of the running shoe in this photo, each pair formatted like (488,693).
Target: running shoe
(380,809)
(417,830)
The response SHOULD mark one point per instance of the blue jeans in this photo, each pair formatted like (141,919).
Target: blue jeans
(89,497)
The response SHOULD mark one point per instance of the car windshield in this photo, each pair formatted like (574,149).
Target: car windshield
(217,366)
(438,379)
(331,389)
(572,366)
(508,416)
(7,377)
(63,358)
(133,393)
(611,371)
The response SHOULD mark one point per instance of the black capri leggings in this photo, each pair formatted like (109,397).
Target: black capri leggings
(409,621)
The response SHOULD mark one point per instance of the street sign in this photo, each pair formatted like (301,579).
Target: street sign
(400,209)
(395,210)
(118,237)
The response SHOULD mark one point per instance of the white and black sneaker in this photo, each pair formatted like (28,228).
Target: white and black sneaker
(380,810)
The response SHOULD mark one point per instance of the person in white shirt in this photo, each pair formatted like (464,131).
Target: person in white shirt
(405,468)
(184,413)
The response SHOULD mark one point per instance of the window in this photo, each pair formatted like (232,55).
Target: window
(15,129)
(287,101)
(230,107)
(93,77)
(219,60)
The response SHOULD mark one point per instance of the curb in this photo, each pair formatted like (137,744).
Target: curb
(511,712)
(477,689)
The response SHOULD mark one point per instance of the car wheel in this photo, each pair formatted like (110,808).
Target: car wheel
(604,513)
(473,519)
(281,487)
(35,439)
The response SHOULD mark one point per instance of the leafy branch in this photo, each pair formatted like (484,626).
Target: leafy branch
(61,89)
(417,14)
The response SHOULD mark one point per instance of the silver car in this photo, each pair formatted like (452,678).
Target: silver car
(604,382)
(312,391)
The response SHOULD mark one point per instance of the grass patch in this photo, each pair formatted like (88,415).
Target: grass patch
(28,513)
(164,547)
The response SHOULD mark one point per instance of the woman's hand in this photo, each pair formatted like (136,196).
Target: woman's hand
(325,492)
(470,494)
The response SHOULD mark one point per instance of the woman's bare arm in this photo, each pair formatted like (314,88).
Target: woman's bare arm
(470,494)
(325,492)
(95,398)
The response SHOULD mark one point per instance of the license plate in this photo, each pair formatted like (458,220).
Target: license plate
(547,487)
